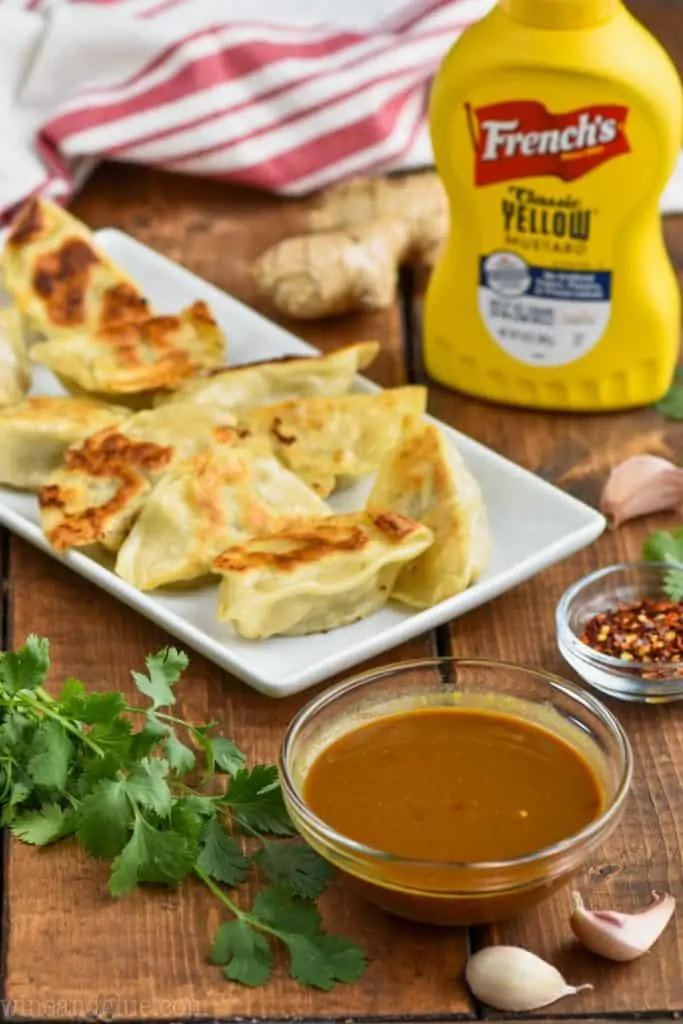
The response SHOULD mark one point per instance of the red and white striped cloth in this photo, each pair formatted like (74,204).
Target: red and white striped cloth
(283,95)
(286,103)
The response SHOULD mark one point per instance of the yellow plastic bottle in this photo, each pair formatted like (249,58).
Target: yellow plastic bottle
(556,125)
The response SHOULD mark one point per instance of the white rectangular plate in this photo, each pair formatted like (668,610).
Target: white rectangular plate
(533,523)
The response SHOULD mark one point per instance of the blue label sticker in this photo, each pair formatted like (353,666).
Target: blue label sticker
(514,278)
(543,316)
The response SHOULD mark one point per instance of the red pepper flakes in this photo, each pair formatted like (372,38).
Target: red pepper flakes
(647,631)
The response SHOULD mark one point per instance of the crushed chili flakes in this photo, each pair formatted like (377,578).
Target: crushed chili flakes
(647,631)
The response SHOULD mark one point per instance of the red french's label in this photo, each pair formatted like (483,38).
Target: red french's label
(522,139)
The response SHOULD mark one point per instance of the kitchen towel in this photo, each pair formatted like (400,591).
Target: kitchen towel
(282,95)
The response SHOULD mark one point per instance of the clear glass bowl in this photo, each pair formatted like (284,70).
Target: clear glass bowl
(457,893)
(608,588)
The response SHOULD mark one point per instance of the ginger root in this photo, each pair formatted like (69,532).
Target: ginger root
(361,232)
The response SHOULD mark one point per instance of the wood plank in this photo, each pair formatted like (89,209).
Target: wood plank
(145,957)
(4,586)
(576,452)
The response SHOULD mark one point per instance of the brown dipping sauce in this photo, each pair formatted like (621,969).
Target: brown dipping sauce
(453,785)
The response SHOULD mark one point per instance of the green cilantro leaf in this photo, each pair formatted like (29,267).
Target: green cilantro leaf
(16,734)
(227,756)
(244,953)
(151,855)
(97,768)
(104,819)
(322,960)
(673,584)
(51,752)
(294,865)
(147,786)
(204,806)
(18,792)
(662,546)
(26,668)
(114,737)
(148,738)
(89,708)
(671,406)
(102,708)
(186,820)
(221,857)
(256,801)
(201,733)
(180,757)
(72,697)
(171,857)
(285,913)
(163,672)
(45,826)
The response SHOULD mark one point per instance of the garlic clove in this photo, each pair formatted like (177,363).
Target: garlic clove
(621,937)
(511,979)
(641,485)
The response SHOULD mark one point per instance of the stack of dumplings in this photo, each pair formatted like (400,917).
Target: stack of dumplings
(185,473)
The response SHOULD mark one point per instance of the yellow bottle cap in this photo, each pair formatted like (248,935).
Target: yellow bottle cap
(561,14)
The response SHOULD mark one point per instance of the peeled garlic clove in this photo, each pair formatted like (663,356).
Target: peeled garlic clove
(621,937)
(641,485)
(513,980)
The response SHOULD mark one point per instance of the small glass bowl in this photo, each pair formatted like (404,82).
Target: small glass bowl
(637,681)
(449,893)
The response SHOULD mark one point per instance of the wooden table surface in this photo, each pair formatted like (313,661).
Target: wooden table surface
(71,952)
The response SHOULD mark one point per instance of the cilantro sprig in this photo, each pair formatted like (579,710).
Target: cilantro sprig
(164,799)
(671,406)
(662,546)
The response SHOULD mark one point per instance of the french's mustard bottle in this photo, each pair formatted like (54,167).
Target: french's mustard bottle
(556,125)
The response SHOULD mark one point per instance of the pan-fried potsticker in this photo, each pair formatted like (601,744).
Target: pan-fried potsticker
(316,574)
(324,440)
(425,477)
(206,503)
(96,496)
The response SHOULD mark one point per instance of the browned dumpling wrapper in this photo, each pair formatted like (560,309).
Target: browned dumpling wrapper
(203,505)
(316,574)
(96,496)
(426,478)
(36,433)
(127,359)
(277,380)
(60,280)
(323,440)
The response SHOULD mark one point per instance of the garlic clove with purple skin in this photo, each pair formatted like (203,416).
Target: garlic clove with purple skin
(641,485)
(621,937)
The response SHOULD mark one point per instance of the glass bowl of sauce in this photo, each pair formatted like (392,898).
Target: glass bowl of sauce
(455,792)
(622,633)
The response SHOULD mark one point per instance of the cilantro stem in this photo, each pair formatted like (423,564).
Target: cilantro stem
(241,915)
(7,770)
(219,894)
(32,702)
(167,718)
(176,721)
(247,828)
